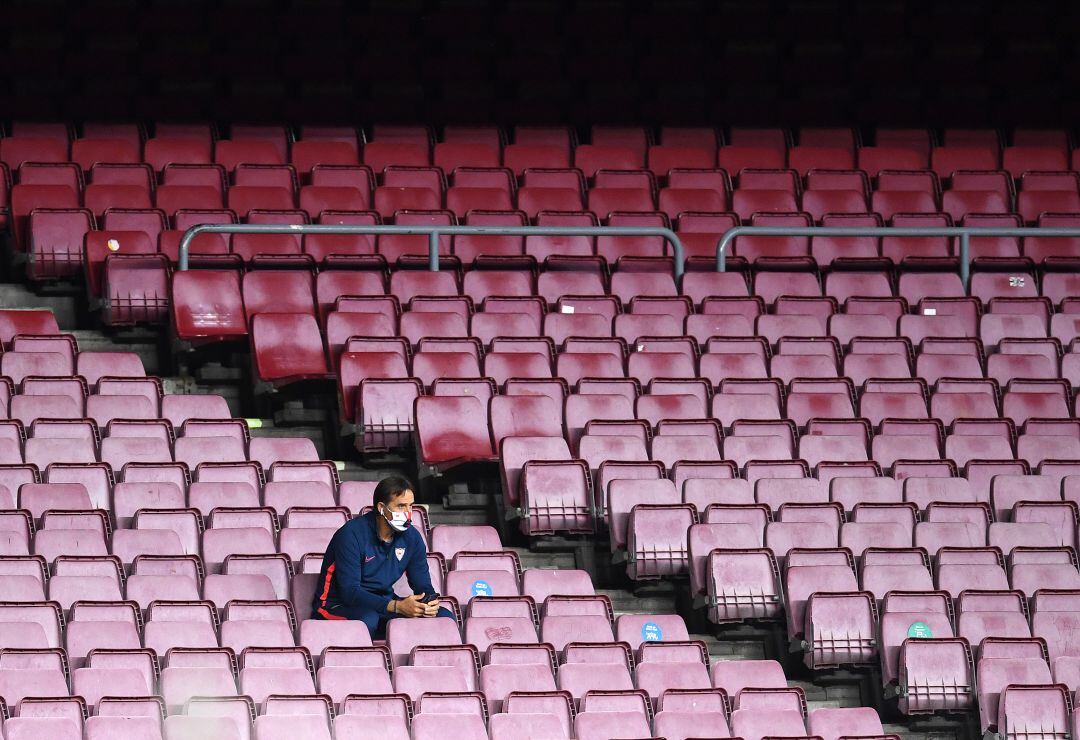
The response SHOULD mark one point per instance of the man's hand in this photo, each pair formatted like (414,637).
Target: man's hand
(411,606)
(432,609)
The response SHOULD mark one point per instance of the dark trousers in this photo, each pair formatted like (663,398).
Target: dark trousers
(375,621)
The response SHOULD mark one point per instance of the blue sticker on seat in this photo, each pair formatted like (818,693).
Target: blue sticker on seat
(482,588)
(651,632)
(919,629)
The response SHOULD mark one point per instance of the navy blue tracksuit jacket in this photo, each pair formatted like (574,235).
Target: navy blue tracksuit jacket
(359,571)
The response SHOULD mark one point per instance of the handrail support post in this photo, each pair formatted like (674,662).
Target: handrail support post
(433,251)
(965,259)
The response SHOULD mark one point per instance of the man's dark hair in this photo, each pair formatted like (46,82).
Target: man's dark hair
(390,488)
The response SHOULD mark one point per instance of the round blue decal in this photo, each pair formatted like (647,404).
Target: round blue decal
(919,629)
(651,632)
(482,588)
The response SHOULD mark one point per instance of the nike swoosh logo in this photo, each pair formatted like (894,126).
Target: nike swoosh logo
(369,558)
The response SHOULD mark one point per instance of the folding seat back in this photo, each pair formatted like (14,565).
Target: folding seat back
(1051,620)
(230,153)
(432,416)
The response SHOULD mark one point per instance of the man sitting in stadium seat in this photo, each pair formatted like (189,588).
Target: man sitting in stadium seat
(368,555)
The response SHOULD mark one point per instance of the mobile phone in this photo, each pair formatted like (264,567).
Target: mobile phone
(428,598)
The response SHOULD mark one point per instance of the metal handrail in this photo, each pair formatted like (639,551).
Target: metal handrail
(963,232)
(433,233)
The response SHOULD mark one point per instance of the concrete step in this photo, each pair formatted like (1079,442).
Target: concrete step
(626,602)
(731,649)
(64,307)
(559,560)
(92,340)
(438,514)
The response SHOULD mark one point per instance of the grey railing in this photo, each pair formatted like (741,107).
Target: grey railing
(433,233)
(963,232)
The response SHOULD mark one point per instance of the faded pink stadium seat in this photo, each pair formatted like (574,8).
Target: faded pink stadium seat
(432,726)
(615,249)
(436,446)
(1021,159)
(273,291)
(1006,491)
(179,408)
(509,726)
(276,336)
(683,668)
(184,727)
(894,153)
(974,439)
(590,157)
(272,207)
(165,150)
(733,676)
(1049,440)
(603,201)
(501,366)
(520,156)
(476,538)
(191,625)
(624,495)
(597,448)
(555,497)
(736,157)
(681,713)
(554,284)
(637,629)
(676,201)
(402,637)
(687,137)
(905,660)
(573,366)
(266,672)
(208,305)
(562,137)
(964,155)
(535,200)
(934,535)
(634,138)
(900,569)
(301,725)
(269,450)
(1045,568)
(1008,535)
(1042,249)
(515,452)
(803,158)
(832,723)
(539,583)
(981,614)
(29,321)
(751,724)
(701,492)
(1052,620)
(959,567)
(701,232)
(309,154)
(346,669)
(924,491)
(379,154)
(956,398)
(416,680)
(332,248)
(498,681)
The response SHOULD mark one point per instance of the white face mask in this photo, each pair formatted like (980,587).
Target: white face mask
(398,520)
